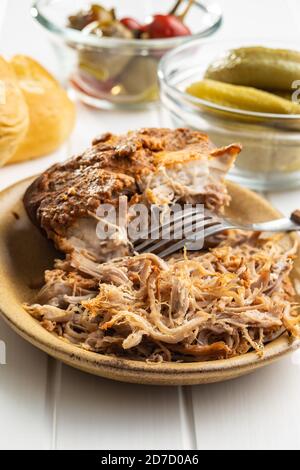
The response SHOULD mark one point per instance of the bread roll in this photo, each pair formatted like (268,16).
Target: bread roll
(14,119)
(51,112)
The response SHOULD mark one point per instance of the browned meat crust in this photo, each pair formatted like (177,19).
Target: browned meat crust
(113,166)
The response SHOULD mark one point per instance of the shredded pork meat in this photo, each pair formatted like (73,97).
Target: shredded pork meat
(211,305)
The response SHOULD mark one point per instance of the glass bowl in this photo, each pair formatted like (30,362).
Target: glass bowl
(111,72)
(270,159)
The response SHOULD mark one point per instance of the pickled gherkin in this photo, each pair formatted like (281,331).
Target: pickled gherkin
(259,67)
(241,97)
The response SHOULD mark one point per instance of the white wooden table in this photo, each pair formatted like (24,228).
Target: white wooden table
(47,405)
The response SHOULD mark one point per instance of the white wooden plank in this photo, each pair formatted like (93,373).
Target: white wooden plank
(259,411)
(187,419)
(23,386)
(54,375)
(24,415)
(94,413)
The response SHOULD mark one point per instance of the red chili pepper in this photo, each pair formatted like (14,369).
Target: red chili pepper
(132,24)
(166,26)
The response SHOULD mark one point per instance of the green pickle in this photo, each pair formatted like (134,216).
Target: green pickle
(259,67)
(260,80)
(241,97)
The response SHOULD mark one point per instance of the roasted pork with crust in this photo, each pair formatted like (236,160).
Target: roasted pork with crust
(153,166)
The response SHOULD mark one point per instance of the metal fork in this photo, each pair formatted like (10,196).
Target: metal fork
(200,225)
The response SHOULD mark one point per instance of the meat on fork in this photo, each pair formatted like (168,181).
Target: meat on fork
(155,166)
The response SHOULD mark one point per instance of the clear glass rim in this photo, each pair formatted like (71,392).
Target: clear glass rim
(75,36)
(183,96)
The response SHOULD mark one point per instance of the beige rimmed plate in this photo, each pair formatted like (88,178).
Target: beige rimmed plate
(25,254)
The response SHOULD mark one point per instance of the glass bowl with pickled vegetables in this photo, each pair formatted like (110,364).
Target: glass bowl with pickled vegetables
(109,51)
(246,92)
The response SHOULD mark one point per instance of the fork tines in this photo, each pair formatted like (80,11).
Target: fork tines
(185,226)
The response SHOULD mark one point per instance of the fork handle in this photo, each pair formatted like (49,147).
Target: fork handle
(279,225)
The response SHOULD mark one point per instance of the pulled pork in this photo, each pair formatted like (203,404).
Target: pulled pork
(204,306)
(211,305)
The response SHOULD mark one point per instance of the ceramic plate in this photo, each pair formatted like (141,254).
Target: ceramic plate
(25,254)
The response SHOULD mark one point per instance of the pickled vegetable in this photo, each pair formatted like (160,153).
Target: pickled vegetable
(243,98)
(124,73)
(166,26)
(101,21)
(103,64)
(96,13)
(259,67)
(116,74)
(146,86)
(133,25)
